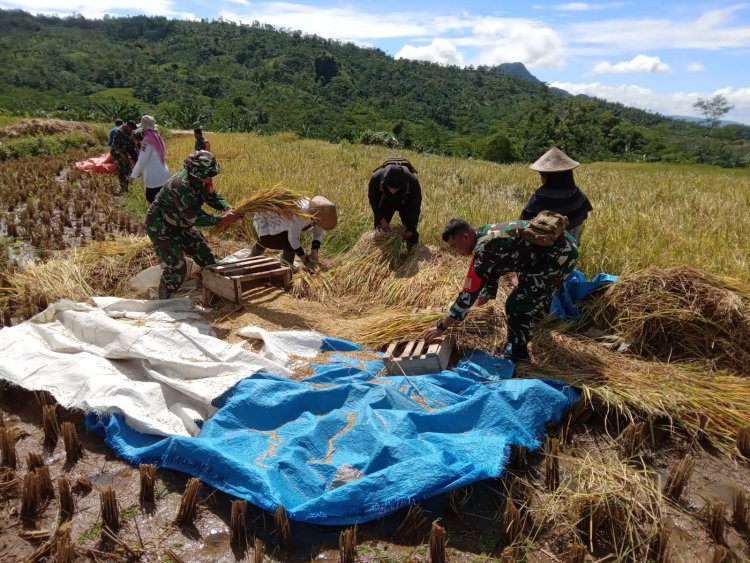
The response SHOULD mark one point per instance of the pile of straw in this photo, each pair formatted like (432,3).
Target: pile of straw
(483,328)
(27,127)
(682,314)
(377,269)
(278,199)
(606,504)
(632,387)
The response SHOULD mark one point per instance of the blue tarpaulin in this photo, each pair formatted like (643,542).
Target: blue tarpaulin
(345,445)
(575,289)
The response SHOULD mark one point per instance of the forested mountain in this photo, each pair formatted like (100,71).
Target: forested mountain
(223,75)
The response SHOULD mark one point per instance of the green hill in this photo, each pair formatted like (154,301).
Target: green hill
(226,76)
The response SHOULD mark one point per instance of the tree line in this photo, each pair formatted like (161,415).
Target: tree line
(227,76)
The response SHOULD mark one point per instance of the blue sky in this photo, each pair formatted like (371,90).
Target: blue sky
(661,55)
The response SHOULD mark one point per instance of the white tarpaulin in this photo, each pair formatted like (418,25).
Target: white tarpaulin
(155,362)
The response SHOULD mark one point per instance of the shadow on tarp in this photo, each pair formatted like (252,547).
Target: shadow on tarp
(347,446)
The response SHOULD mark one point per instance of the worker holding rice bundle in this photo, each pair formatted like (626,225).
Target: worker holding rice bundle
(540,251)
(394,188)
(277,232)
(176,212)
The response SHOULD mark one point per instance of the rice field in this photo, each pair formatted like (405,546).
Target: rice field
(644,214)
(640,469)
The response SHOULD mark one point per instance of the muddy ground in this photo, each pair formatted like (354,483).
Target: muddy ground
(474,531)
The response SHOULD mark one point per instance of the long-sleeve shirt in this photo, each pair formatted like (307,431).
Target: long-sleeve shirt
(500,250)
(123,144)
(112,134)
(180,203)
(407,201)
(268,223)
(155,172)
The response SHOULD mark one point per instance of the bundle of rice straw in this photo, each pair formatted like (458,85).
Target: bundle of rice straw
(278,199)
(482,328)
(628,386)
(680,313)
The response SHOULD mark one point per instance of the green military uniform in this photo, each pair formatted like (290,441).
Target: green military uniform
(124,153)
(174,215)
(541,269)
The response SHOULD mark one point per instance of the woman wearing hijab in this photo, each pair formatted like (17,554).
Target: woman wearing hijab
(558,191)
(152,159)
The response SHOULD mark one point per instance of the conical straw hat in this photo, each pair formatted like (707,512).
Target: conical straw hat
(554,160)
(324,212)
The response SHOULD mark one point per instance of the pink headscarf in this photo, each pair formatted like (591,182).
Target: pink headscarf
(151,137)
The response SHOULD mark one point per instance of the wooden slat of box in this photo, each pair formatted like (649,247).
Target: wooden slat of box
(417,357)
(234,281)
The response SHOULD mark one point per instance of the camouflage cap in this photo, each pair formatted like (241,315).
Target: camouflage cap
(201,164)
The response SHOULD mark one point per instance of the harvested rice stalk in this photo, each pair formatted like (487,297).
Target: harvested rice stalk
(716,519)
(189,503)
(631,438)
(551,463)
(34,460)
(512,554)
(65,551)
(457,499)
(660,550)
(31,498)
(148,480)
(513,522)
(740,510)
(518,460)
(278,199)
(237,530)
(680,313)
(110,511)
(50,426)
(67,503)
(46,488)
(73,450)
(283,529)
(576,553)
(2,420)
(743,442)
(679,477)
(437,544)
(258,551)
(348,545)
(8,448)
(412,526)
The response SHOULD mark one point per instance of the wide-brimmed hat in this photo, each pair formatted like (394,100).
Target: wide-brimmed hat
(324,212)
(148,122)
(554,160)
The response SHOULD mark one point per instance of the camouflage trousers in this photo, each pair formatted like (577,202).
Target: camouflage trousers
(171,244)
(529,300)
(124,169)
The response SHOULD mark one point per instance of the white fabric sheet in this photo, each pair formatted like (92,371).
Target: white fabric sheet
(155,362)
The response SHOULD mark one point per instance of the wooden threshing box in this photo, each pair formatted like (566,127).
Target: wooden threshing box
(234,280)
(416,357)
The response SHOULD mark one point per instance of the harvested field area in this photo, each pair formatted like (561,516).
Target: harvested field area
(652,464)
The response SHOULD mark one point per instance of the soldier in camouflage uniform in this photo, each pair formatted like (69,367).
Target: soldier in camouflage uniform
(176,212)
(500,249)
(124,153)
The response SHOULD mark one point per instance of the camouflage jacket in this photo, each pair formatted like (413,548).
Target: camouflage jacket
(180,203)
(500,250)
(124,144)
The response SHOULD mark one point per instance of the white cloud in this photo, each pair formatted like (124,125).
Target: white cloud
(241,2)
(713,30)
(580,6)
(94,9)
(694,67)
(675,103)
(638,64)
(439,51)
